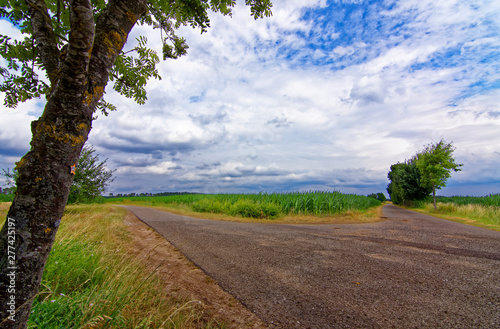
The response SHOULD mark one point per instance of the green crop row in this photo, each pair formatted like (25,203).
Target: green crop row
(265,205)
(489,200)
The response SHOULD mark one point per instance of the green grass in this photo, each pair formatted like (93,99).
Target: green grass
(479,211)
(6,197)
(263,205)
(91,281)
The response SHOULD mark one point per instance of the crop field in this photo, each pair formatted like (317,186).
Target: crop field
(265,205)
(490,200)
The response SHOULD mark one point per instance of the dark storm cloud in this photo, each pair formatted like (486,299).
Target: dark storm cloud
(5,150)
(131,144)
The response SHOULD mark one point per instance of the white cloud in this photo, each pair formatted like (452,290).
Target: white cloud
(296,102)
(161,168)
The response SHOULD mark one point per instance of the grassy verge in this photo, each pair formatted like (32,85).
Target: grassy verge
(486,216)
(6,197)
(288,207)
(91,281)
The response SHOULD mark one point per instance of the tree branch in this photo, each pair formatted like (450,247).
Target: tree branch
(112,29)
(45,39)
(74,69)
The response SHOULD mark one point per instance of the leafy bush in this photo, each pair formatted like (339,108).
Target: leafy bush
(211,205)
(404,187)
(249,208)
(270,210)
(246,208)
(91,178)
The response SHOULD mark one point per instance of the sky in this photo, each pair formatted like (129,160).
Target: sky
(323,95)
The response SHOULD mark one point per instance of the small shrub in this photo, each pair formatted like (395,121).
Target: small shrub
(246,208)
(270,210)
(211,206)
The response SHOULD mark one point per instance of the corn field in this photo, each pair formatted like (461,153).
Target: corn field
(267,205)
(489,200)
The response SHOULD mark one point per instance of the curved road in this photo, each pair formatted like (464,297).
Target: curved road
(410,271)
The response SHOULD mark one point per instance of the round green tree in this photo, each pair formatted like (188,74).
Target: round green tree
(435,164)
(91,177)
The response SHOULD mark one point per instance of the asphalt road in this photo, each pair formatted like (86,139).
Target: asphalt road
(409,271)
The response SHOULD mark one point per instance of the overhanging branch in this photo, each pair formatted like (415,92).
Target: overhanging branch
(45,39)
(112,29)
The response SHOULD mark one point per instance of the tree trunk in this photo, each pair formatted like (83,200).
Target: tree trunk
(58,137)
(35,214)
(434,196)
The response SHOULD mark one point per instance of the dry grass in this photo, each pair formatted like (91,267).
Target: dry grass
(472,214)
(4,208)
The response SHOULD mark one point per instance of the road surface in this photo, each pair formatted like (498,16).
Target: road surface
(409,271)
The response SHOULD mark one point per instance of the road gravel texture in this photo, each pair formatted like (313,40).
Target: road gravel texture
(408,271)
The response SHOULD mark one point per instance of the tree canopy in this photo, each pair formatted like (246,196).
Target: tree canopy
(91,177)
(414,179)
(404,187)
(435,164)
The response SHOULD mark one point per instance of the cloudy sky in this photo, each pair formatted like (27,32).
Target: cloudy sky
(324,95)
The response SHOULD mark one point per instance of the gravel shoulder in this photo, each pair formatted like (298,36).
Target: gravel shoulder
(409,271)
(183,279)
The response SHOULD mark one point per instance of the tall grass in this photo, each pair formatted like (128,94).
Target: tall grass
(489,200)
(91,281)
(482,211)
(265,205)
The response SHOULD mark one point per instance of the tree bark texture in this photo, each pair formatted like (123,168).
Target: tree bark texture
(77,82)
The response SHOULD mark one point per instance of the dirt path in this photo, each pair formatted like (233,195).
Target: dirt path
(183,279)
(410,271)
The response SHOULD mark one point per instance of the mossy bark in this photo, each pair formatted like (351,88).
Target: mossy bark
(45,177)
